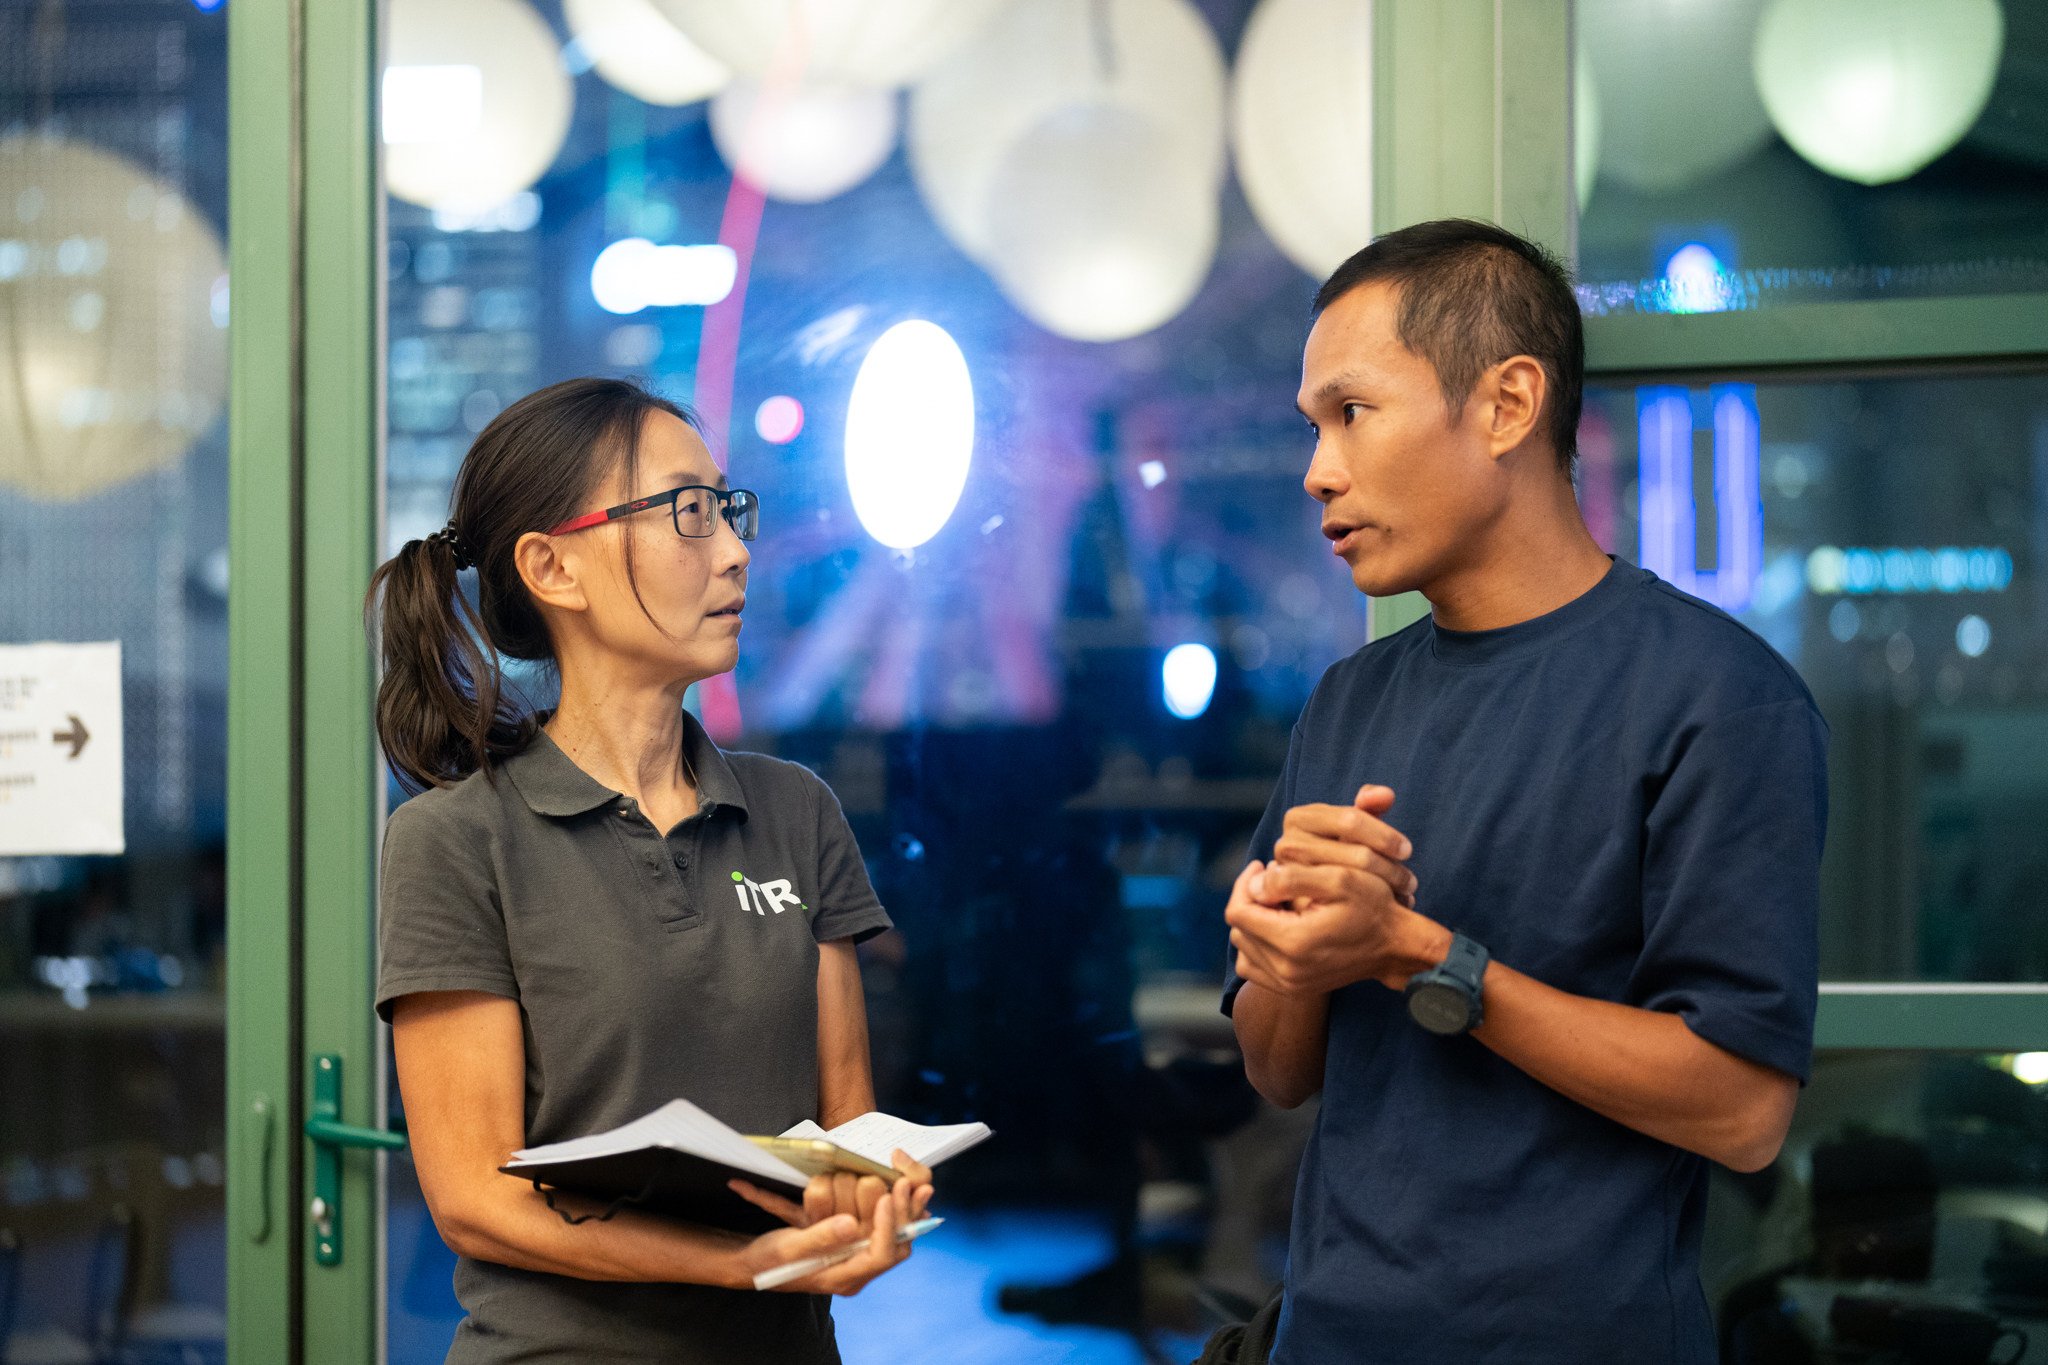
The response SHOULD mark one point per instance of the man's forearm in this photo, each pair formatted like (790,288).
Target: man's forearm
(1642,1068)
(1284,1039)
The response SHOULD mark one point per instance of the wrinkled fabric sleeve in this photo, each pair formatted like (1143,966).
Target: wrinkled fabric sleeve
(440,924)
(847,905)
(1731,885)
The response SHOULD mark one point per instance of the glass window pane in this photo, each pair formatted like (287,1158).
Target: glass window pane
(1743,155)
(1890,537)
(1905,1219)
(113,527)
(1051,688)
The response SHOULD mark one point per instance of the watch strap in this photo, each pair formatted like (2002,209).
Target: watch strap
(1466,964)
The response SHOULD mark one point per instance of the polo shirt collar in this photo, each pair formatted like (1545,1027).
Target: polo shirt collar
(552,784)
(716,783)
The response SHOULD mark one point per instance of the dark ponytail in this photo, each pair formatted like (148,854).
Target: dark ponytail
(444,709)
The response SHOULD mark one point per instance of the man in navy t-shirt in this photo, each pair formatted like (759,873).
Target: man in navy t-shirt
(1534,904)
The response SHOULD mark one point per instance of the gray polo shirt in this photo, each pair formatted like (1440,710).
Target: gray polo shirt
(648,967)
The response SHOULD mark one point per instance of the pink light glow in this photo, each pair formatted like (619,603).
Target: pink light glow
(779,420)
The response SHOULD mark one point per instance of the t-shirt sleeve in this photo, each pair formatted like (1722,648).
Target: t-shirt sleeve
(847,906)
(1263,839)
(1731,885)
(439,923)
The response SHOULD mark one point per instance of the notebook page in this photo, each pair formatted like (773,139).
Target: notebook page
(644,1131)
(678,1125)
(876,1136)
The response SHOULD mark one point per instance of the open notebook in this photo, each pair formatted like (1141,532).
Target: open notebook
(677,1160)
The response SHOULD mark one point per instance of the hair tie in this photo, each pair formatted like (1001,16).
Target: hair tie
(450,537)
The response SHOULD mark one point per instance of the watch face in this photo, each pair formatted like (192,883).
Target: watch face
(1440,1007)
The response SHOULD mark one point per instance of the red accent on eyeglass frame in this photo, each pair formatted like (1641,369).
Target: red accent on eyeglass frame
(626,509)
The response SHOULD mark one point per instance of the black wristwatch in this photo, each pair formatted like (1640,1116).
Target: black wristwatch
(1446,999)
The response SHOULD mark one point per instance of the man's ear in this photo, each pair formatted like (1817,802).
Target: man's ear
(548,574)
(1518,387)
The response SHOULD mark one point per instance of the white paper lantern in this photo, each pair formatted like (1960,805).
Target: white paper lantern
(851,42)
(638,49)
(475,102)
(1157,58)
(1097,232)
(1676,99)
(1873,90)
(803,144)
(1301,124)
(115,356)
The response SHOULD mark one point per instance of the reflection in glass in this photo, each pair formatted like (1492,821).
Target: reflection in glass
(113,526)
(1041,610)
(1906,1218)
(1890,538)
(1810,149)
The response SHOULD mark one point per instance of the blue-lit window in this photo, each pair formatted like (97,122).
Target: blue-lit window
(1890,538)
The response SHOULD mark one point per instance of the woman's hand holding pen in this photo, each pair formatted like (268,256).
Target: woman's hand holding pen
(845,1204)
(879,1252)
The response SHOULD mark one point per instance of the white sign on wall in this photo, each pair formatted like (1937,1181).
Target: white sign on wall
(60,749)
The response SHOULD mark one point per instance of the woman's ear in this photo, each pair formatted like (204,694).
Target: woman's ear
(549,575)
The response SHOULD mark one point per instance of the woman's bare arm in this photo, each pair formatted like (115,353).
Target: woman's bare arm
(846,1081)
(461,1067)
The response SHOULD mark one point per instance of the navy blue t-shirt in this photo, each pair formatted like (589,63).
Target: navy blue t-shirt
(1624,799)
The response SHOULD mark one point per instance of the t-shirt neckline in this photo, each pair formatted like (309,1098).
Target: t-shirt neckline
(1474,648)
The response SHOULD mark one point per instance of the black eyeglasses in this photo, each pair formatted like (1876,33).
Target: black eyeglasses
(695,508)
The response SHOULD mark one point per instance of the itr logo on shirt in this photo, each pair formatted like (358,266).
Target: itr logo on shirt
(763,897)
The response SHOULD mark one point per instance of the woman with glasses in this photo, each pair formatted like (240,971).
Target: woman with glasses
(590,911)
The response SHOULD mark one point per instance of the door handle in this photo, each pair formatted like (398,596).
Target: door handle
(260,1130)
(330,1138)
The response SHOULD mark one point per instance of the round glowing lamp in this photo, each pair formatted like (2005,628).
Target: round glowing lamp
(878,43)
(114,359)
(1154,58)
(1187,679)
(1672,77)
(475,102)
(909,434)
(803,144)
(1103,234)
(1301,124)
(1873,90)
(779,420)
(639,49)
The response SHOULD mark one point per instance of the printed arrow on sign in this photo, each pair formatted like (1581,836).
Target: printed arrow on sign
(76,736)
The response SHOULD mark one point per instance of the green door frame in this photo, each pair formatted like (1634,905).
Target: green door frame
(263,463)
(304,793)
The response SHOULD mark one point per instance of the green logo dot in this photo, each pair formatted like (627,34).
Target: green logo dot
(738,877)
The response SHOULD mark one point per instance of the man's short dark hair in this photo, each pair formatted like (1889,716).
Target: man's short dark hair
(1472,295)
